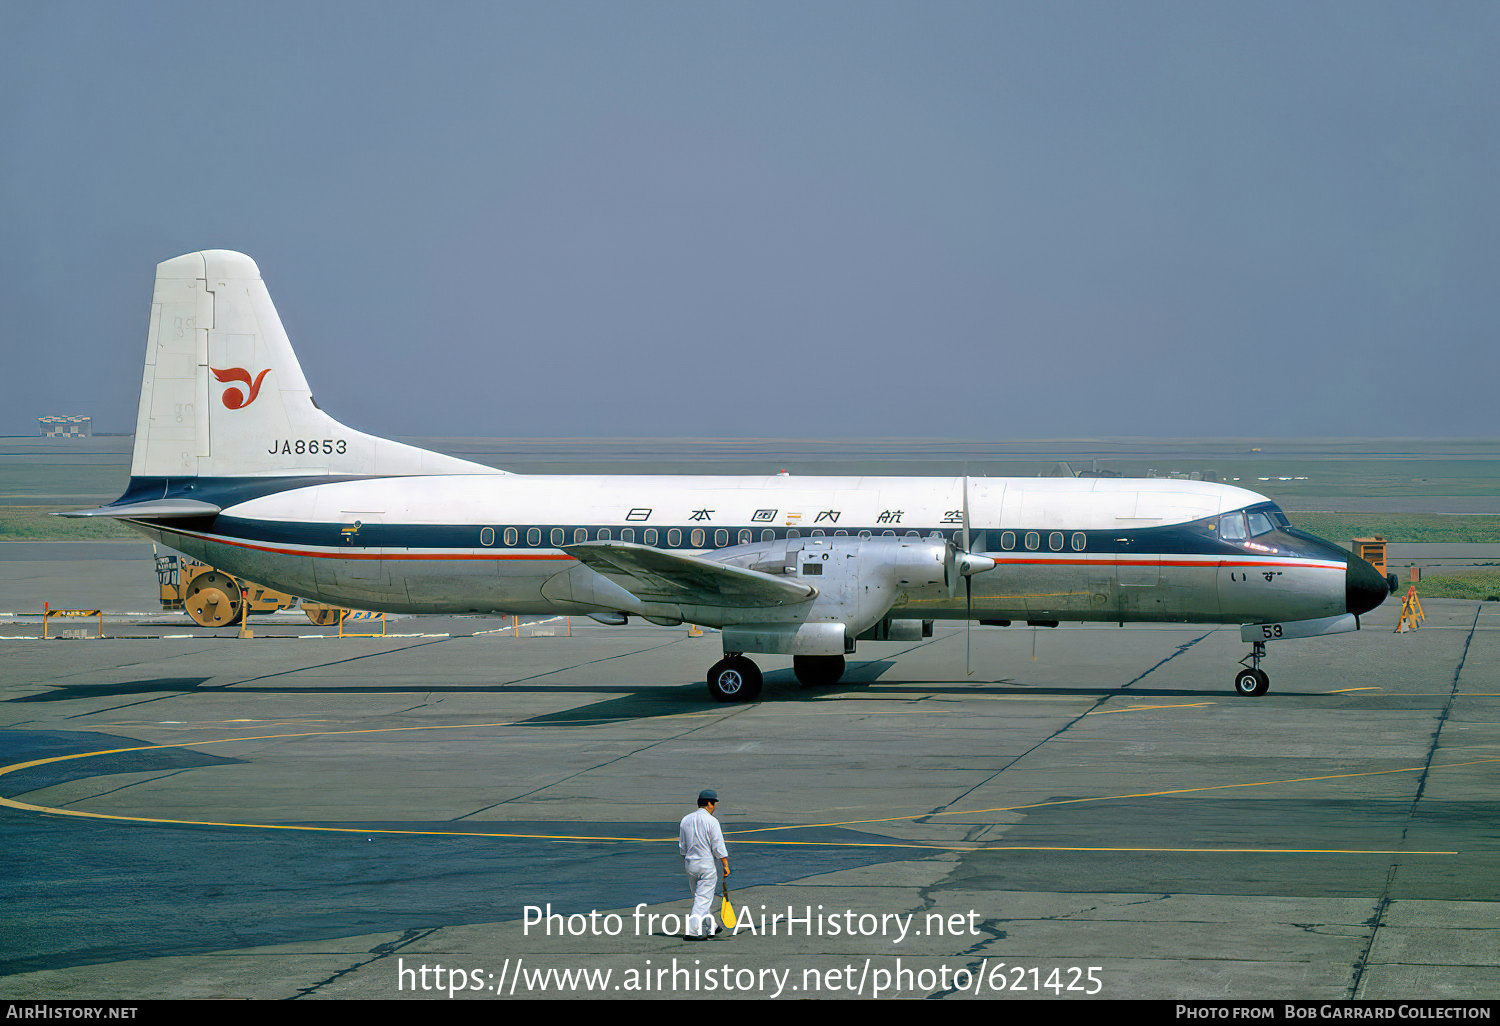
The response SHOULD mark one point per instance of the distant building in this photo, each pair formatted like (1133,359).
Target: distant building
(66,427)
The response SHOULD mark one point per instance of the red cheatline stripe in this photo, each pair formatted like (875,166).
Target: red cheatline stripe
(1207,561)
(336,554)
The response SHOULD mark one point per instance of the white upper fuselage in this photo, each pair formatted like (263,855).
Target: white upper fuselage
(822,504)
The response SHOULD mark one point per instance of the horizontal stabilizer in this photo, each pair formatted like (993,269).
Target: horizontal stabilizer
(157,509)
(657,576)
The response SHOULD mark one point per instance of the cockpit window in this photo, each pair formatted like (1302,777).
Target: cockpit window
(1232,527)
(1249,523)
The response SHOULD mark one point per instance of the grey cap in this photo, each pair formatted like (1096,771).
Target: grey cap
(708,796)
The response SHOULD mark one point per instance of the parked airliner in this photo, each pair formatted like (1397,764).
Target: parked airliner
(235,464)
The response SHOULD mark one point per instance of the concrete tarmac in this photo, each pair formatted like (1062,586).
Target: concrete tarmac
(1092,813)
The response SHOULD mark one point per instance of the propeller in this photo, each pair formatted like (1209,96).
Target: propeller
(964,563)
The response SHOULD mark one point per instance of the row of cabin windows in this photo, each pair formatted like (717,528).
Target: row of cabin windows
(698,537)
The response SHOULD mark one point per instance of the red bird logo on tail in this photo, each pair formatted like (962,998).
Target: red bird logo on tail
(234,399)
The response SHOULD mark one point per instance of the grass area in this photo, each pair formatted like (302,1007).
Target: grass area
(1401,527)
(1480,586)
(36,523)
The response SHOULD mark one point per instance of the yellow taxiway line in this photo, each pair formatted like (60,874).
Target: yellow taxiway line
(738,834)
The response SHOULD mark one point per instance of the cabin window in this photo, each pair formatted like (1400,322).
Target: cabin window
(533,536)
(674,538)
(745,536)
(602,534)
(1079,541)
(650,536)
(864,534)
(486,536)
(767,535)
(1033,540)
(580,535)
(817,532)
(914,535)
(1055,541)
(627,534)
(558,536)
(887,534)
(512,536)
(697,537)
(721,538)
(1008,540)
(794,533)
(841,534)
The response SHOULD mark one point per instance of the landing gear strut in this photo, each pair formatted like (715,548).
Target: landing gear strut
(734,679)
(1252,680)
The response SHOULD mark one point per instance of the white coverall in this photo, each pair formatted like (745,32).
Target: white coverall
(700,840)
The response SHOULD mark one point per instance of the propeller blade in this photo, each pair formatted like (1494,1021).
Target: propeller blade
(968,587)
(968,625)
(966,510)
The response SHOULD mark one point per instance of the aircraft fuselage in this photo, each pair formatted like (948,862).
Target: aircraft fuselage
(1077,550)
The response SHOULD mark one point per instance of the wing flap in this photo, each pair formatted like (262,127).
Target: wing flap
(654,575)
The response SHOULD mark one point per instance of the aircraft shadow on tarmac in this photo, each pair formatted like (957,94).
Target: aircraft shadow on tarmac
(129,688)
(640,701)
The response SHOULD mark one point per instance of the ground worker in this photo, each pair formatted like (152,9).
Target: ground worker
(700,840)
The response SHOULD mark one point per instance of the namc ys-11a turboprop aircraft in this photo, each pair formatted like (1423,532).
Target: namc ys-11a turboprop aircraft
(236,465)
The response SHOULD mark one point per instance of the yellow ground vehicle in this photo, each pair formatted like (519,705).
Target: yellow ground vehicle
(215,599)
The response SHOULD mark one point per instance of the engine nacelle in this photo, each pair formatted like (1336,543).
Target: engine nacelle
(858,580)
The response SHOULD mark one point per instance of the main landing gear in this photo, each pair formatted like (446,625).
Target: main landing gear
(818,671)
(1252,680)
(736,679)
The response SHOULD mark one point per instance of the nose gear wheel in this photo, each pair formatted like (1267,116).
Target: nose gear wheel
(1252,681)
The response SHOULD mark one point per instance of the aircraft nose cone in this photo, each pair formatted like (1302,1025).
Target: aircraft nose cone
(1364,588)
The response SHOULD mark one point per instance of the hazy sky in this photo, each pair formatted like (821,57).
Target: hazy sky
(988,220)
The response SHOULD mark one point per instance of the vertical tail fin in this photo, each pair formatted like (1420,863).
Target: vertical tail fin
(224,396)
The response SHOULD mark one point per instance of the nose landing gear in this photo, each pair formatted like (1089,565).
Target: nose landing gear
(1252,680)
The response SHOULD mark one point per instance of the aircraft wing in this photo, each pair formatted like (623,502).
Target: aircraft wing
(654,575)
